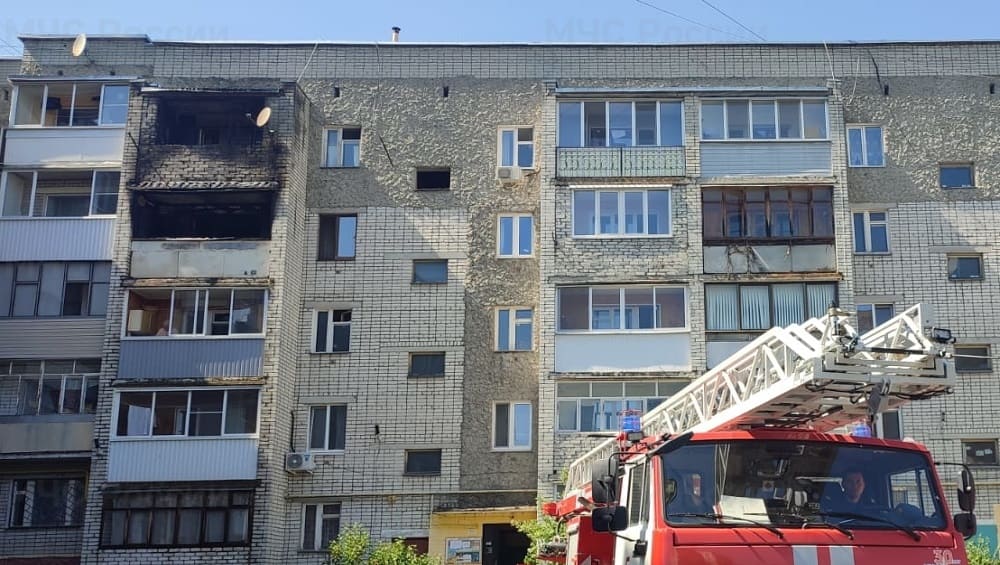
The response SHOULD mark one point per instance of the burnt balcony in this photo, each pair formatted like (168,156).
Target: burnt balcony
(618,162)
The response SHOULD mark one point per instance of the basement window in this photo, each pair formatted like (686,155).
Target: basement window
(434,179)
(205,214)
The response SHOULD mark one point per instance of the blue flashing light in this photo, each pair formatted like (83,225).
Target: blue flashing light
(631,423)
(861,430)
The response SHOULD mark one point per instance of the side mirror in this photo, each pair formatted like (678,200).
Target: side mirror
(967,492)
(604,481)
(964,523)
(611,519)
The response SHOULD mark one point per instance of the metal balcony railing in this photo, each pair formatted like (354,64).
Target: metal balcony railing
(605,162)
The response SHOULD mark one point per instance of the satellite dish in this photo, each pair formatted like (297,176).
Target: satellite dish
(79,44)
(263,116)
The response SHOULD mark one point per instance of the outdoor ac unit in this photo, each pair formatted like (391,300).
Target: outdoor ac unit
(508,174)
(300,463)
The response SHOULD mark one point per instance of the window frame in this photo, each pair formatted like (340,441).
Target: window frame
(203,306)
(874,307)
(956,165)
(621,234)
(739,306)
(863,128)
(406,460)
(331,325)
(7,311)
(516,218)
(624,400)
(16,494)
(511,428)
(108,508)
(607,122)
(768,204)
(956,257)
(413,272)
(512,330)
(416,179)
(988,358)
(326,450)
(336,219)
(15,102)
(777,120)
(444,364)
(33,197)
(516,130)
(867,222)
(341,145)
(317,532)
(965,447)
(186,436)
(622,308)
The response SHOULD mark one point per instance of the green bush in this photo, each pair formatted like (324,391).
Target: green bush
(978,550)
(540,531)
(353,544)
(350,546)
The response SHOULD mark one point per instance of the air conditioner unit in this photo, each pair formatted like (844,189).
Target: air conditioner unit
(300,463)
(508,174)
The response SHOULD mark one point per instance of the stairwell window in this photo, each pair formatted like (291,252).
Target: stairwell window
(332,331)
(621,213)
(965,267)
(865,147)
(320,525)
(512,422)
(327,428)
(871,232)
(342,147)
(517,147)
(515,329)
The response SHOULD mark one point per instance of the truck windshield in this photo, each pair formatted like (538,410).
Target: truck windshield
(800,484)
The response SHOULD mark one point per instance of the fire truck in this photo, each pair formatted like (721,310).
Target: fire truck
(749,464)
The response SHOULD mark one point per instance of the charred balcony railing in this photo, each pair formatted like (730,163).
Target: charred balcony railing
(610,162)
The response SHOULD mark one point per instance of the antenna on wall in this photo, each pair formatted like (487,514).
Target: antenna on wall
(79,45)
(263,117)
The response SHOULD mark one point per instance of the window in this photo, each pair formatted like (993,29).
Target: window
(54,289)
(431,271)
(512,426)
(741,214)
(759,307)
(332,331)
(433,179)
(337,236)
(980,452)
(59,193)
(628,308)
(186,413)
(427,364)
(52,386)
(514,329)
(871,232)
(763,119)
(327,428)
(47,502)
(621,123)
(619,213)
(890,425)
(516,235)
(343,147)
(865,146)
(423,462)
(320,525)
(965,267)
(871,315)
(176,518)
(973,358)
(60,104)
(517,147)
(214,312)
(957,176)
(599,406)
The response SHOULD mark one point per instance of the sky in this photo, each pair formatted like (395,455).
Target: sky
(602,21)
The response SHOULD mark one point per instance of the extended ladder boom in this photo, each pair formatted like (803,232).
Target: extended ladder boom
(819,374)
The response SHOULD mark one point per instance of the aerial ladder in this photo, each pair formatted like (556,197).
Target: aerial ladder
(819,375)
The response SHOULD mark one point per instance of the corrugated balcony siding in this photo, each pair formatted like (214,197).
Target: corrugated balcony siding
(608,162)
(56,239)
(34,434)
(785,158)
(185,358)
(46,338)
(215,459)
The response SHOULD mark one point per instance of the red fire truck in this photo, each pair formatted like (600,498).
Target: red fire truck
(745,466)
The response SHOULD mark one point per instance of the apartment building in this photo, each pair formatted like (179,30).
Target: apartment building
(403,285)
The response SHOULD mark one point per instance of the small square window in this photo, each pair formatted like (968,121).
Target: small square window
(957,176)
(980,452)
(973,359)
(427,364)
(343,147)
(337,236)
(517,147)
(865,146)
(961,267)
(433,179)
(512,423)
(430,271)
(423,462)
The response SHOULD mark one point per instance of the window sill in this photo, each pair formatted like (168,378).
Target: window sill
(974,372)
(186,337)
(434,474)
(229,437)
(340,166)
(336,260)
(418,377)
(325,452)
(329,352)
(652,331)
(513,350)
(532,256)
(874,253)
(786,140)
(55,527)
(443,189)
(959,279)
(436,283)
(625,236)
(882,166)
(958,187)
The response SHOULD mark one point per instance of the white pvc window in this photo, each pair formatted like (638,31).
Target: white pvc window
(332,331)
(871,232)
(58,194)
(211,412)
(320,525)
(621,213)
(763,120)
(622,123)
(342,147)
(512,422)
(628,308)
(515,329)
(871,315)
(67,104)
(865,147)
(517,147)
(161,312)
(516,235)
(327,428)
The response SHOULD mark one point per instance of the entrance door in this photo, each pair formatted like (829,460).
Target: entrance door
(503,545)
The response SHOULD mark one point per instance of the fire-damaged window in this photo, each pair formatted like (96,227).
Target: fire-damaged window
(210,214)
(209,120)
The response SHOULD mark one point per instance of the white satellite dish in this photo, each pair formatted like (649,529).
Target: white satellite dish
(263,117)
(79,44)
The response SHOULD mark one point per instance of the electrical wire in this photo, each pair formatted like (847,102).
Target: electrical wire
(688,20)
(734,20)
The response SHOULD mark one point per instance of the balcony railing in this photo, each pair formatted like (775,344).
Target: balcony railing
(606,162)
(46,434)
(169,259)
